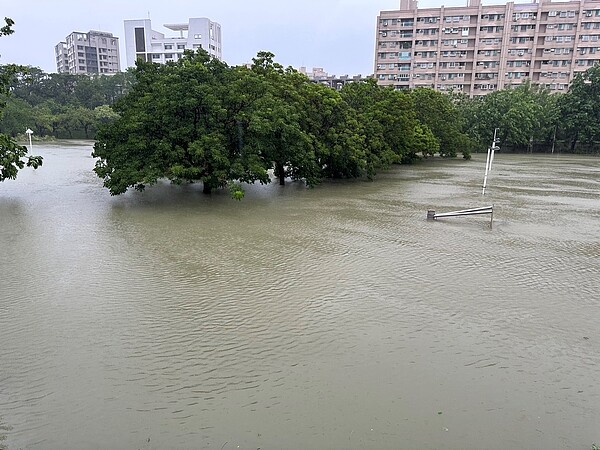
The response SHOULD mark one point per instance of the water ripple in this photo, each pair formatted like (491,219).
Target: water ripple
(301,315)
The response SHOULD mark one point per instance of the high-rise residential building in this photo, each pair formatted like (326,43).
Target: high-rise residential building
(142,42)
(94,52)
(477,49)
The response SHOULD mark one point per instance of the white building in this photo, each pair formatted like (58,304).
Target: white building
(88,53)
(318,75)
(142,42)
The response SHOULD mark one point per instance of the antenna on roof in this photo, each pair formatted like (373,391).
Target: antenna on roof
(148,14)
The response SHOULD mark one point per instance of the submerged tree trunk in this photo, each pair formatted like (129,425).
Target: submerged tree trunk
(280,172)
(574,144)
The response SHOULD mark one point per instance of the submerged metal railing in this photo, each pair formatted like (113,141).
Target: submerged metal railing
(432,215)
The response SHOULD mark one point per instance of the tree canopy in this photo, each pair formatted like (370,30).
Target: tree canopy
(198,119)
(530,118)
(523,115)
(60,104)
(580,110)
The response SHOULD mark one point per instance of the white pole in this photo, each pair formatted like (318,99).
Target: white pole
(487,165)
(489,160)
(29,133)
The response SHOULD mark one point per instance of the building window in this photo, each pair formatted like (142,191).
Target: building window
(140,40)
(197,36)
(180,46)
(168,46)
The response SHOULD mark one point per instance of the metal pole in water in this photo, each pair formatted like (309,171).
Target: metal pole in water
(489,160)
(487,165)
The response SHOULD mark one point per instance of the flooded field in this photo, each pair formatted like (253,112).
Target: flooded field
(334,317)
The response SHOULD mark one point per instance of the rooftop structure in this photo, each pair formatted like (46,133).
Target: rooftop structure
(142,42)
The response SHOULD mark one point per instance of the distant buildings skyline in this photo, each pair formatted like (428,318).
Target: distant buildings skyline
(75,55)
(475,49)
(318,75)
(94,52)
(98,52)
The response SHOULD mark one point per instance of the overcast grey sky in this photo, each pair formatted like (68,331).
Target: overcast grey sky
(337,35)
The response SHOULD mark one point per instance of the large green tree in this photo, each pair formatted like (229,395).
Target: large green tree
(524,115)
(178,122)
(440,114)
(388,121)
(198,119)
(339,144)
(580,110)
(277,127)
(13,156)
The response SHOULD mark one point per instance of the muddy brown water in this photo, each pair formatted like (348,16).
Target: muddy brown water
(334,317)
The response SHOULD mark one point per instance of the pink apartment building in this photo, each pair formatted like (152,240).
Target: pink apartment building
(479,49)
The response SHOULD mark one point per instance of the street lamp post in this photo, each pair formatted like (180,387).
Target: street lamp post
(29,133)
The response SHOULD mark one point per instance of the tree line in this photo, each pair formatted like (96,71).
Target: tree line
(529,118)
(199,119)
(61,105)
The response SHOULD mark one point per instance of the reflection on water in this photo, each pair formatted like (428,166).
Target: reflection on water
(335,317)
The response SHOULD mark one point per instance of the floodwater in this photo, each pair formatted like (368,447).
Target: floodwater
(328,318)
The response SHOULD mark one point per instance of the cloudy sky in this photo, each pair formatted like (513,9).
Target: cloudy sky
(337,35)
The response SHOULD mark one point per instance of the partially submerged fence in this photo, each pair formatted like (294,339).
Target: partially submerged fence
(432,215)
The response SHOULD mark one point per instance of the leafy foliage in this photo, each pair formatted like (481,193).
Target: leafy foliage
(59,104)
(440,114)
(524,114)
(178,123)
(580,110)
(198,119)
(13,157)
